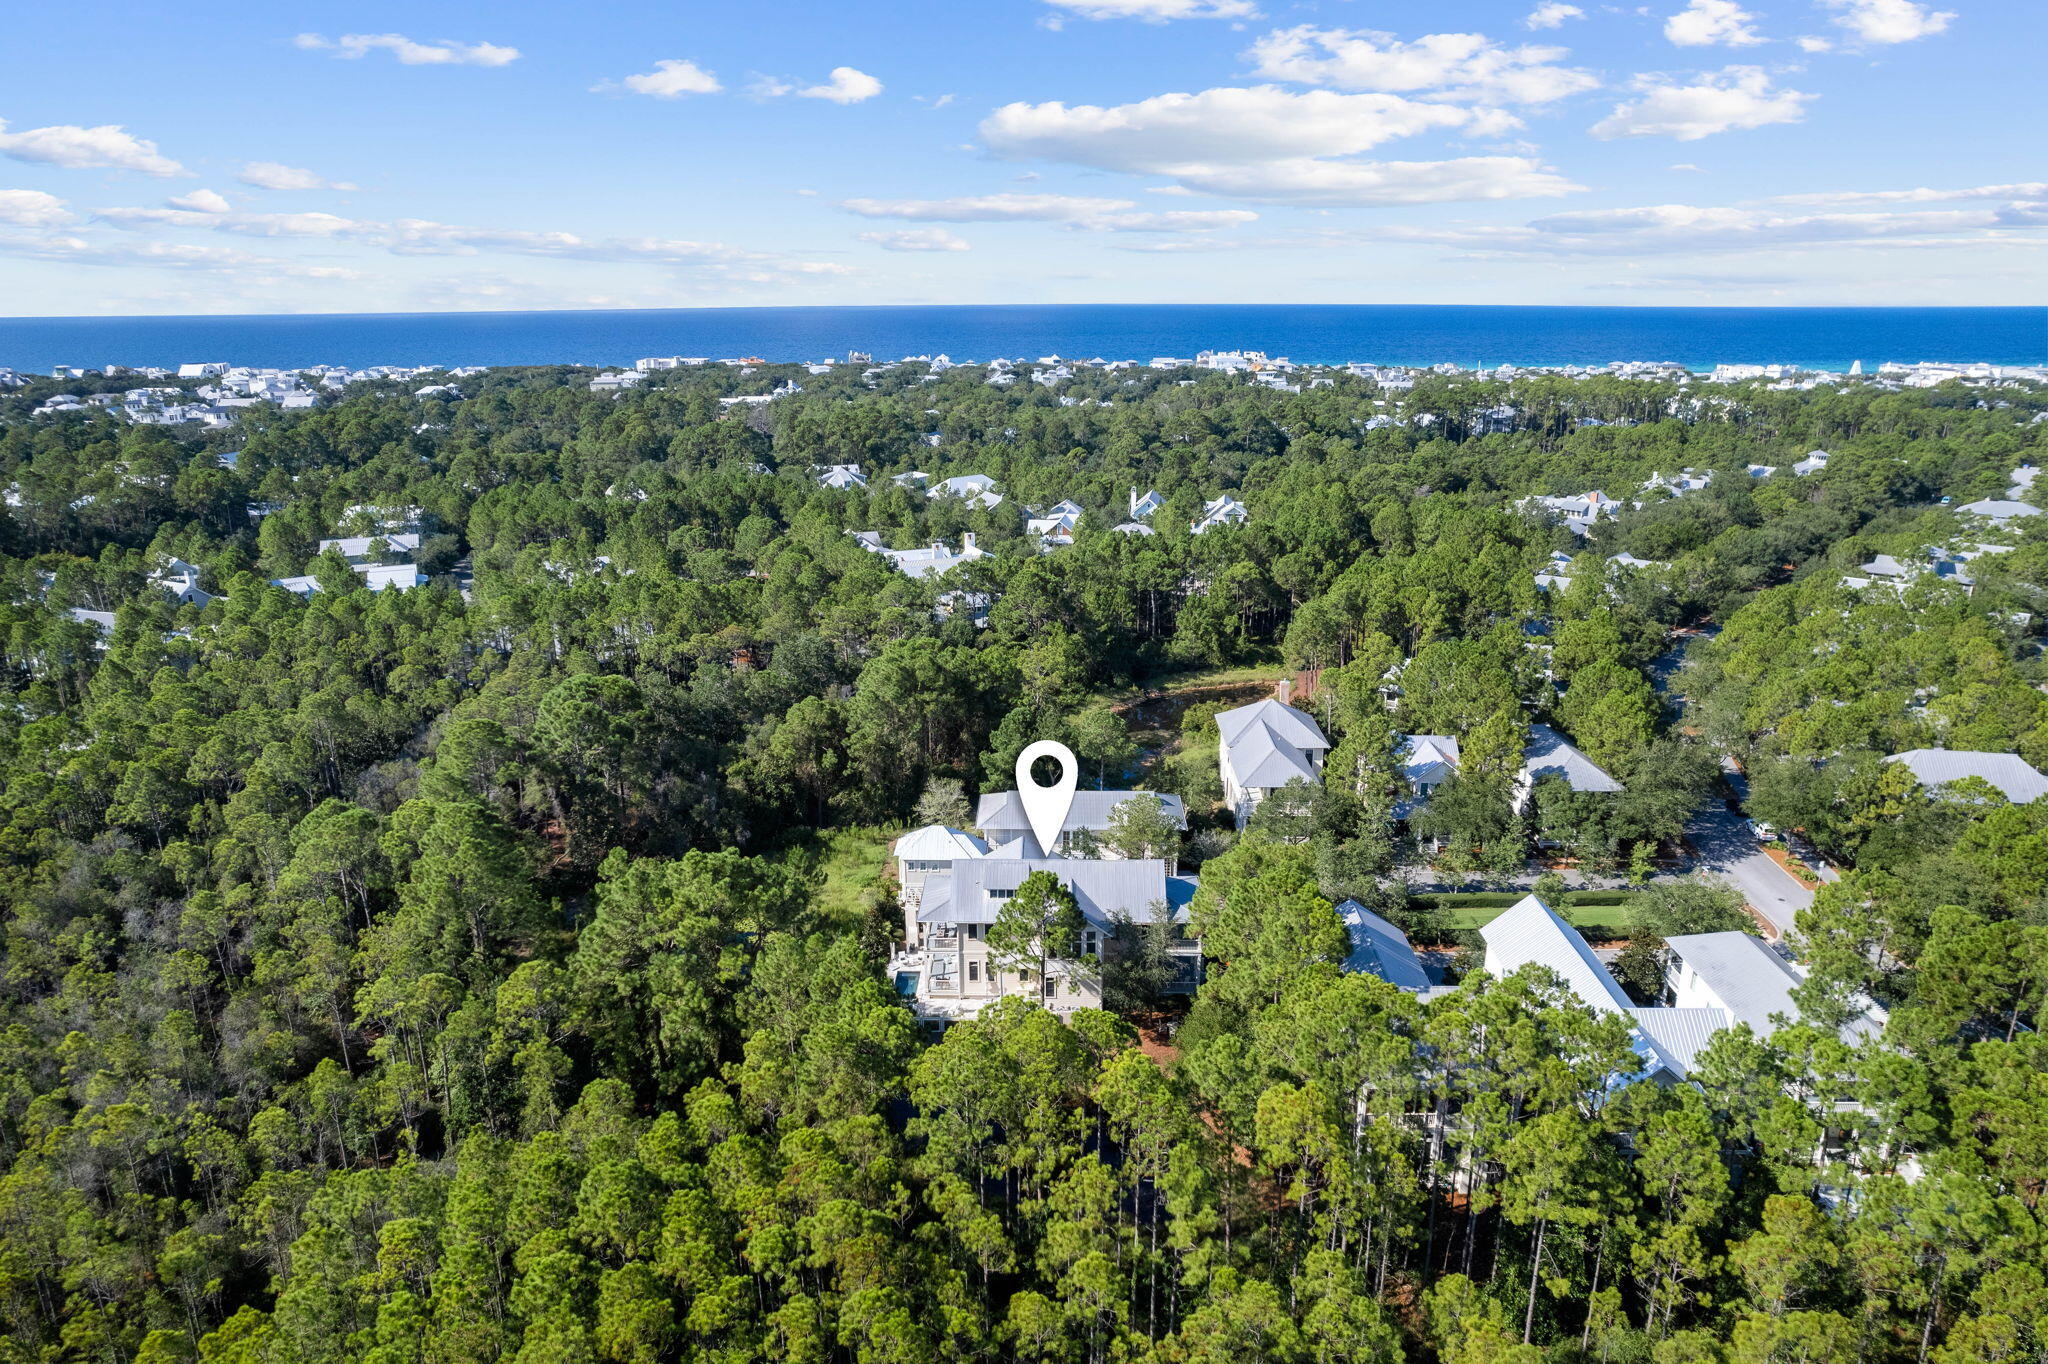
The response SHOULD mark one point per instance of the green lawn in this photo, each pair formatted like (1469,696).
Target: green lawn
(853,862)
(1593,912)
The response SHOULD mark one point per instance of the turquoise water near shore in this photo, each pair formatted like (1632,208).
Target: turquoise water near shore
(1823,338)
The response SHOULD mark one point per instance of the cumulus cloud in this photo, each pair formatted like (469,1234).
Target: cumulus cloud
(1452,66)
(408,51)
(1097,215)
(1552,14)
(1712,23)
(76,148)
(916,239)
(200,201)
(671,78)
(1812,44)
(1157,11)
(1269,144)
(32,208)
(277,175)
(845,86)
(1890,21)
(1738,97)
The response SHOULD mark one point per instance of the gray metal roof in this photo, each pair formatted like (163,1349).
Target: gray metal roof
(1532,932)
(1135,886)
(1002,811)
(1268,744)
(1550,753)
(1678,1035)
(2008,772)
(1745,975)
(1380,949)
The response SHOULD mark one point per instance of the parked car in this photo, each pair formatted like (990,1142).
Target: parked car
(1760,831)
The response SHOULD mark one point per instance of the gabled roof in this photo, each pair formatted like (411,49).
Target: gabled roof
(1380,949)
(2008,772)
(937,843)
(1999,509)
(1751,980)
(1002,810)
(1297,727)
(1549,753)
(1532,932)
(1676,1037)
(1136,886)
(1428,759)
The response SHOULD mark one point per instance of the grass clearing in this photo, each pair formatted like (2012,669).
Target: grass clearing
(854,863)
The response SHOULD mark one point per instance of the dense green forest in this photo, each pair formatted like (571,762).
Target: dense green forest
(442,976)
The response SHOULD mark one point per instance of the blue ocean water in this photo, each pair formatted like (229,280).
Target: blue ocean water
(1824,338)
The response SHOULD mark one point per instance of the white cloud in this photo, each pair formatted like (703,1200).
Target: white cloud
(1456,66)
(1098,215)
(71,250)
(1157,11)
(846,86)
(2029,190)
(1552,14)
(423,237)
(1815,45)
(671,78)
(988,208)
(32,208)
(277,175)
(1663,229)
(1712,23)
(200,201)
(1269,144)
(1738,97)
(1338,184)
(1890,21)
(1687,166)
(76,148)
(916,239)
(409,52)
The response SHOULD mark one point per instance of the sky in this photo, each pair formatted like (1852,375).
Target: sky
(518,155)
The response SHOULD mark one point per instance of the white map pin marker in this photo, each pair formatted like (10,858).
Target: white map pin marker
(1046,806)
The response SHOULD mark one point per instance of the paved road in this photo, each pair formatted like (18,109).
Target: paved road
(1727,849)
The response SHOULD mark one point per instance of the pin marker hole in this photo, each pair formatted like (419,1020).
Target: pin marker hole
(1045,771)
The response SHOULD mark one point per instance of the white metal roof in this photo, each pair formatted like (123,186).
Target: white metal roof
(937,843)
(1380,949)
(1751,980)
(2009,772)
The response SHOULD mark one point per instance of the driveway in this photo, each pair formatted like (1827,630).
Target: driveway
(1726,849)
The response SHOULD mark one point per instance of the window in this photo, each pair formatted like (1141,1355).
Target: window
(974,970)
(1052,987)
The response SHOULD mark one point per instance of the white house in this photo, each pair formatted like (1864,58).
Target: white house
(1549,753)
(927,561)
(360,549)
(922,853)
(1380,949)
(840,476)
(1133,528)
(946,970)
(1427,762)
(1531,933)
(1999,511)
(1221,511)
(976,490)
(1579,512)
(1815,461)
(1265,746)
(1745,979)
(2011,774)
(1000,817)
(1143,505)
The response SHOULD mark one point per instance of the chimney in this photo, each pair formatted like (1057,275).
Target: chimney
(966,540)
(1286,692)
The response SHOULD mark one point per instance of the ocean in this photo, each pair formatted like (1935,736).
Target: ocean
(1699,338)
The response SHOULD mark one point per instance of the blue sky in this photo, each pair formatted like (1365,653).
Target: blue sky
(519,155)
